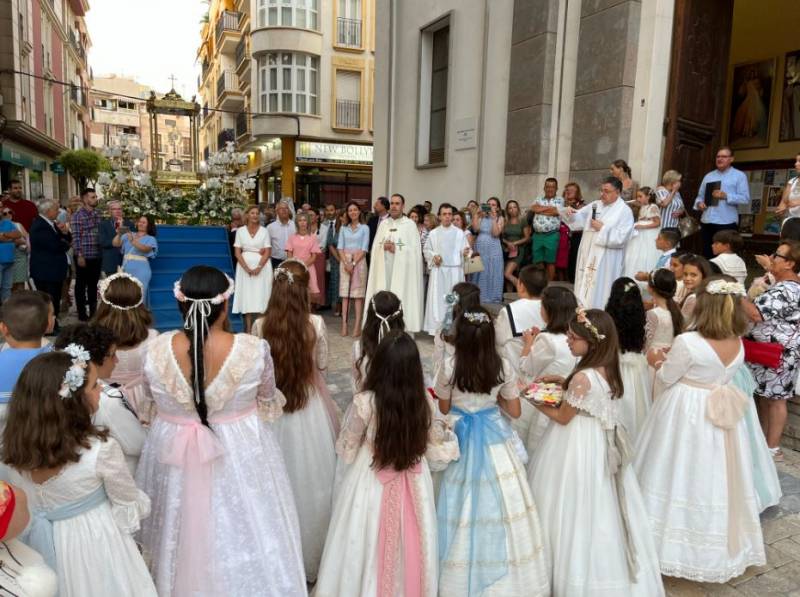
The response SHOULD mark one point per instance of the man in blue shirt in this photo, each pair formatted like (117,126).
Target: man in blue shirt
(8,236)
(734,191)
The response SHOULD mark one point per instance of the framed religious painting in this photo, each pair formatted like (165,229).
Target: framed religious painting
(790,98)
(751,98)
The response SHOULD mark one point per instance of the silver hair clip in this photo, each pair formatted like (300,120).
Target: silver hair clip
(477,318)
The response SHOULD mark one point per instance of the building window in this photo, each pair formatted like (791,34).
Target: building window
(301,14)
(123,105)
(348,24)
(105,104)
(348,99)
(434,71)
(288,82)
(186,146)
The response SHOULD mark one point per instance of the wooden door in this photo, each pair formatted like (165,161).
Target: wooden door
(693,126)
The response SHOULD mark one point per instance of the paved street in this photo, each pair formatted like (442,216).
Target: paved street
(781,524)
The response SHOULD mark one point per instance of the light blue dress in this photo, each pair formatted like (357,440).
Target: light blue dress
(136,262)
(490,280)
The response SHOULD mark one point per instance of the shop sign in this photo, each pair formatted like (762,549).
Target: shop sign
(310,151)
(20,158)
(57,168)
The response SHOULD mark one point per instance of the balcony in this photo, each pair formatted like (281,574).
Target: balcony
(228,93)
(204,71)
(242,125)
(348,114)
(77,96)
(227,31)
(242,56)
(348,33)
(224,136)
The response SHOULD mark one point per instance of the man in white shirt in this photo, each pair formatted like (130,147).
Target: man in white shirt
(279,232)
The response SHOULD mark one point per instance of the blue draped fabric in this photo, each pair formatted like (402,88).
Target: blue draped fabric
(39,534)
(471,483)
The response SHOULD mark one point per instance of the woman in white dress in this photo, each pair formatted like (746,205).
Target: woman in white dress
(85,506)
(307,430)
(389,440)
(693,454)
(384,314)
(595,525)
(121,309)
(490,541)
(627,311)
(224,521)
(641,254)
(546,353)
(252,249)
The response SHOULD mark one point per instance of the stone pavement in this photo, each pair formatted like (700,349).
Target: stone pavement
(781,524)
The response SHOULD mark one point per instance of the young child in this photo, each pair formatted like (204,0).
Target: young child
(726,244)
(384,314)
(696,481)
(307,430)
(23,323)
(676,267)
(113,412)
(463,297)
(84,502)
(695,270)
(626,309)
(641,254)
(664,320)
(546,353)
(386,497)
(596,528)
(490,540)
(667,243)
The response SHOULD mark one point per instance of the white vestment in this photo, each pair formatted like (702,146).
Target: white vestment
(602,253)
(449,244)
(399,272)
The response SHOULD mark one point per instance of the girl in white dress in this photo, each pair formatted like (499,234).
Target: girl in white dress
(664,320)
(84,503)
(121,309)
(546,353)
(463,297)
(695,270)
(627,311)
(693,454)
(389,439)
(596,529)
(490,541)
(384,314)
(307,430)
(224,521)
(252,249)
(641,254)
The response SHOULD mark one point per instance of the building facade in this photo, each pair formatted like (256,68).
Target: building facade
(291,82)
(43,87)
(476,98)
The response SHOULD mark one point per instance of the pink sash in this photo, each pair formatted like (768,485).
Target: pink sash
(132,386)
(194,448)
(399,524)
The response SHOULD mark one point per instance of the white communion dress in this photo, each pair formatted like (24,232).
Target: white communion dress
(693,460)
(224,520)
(638,395)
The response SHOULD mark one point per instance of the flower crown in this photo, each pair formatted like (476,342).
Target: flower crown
(282,271)
(725,287)
(214,300)
(584,320)
(76,374)
(476,318)
(384,326)
(102,287)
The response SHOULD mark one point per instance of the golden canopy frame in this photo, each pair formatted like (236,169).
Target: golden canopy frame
(172,104)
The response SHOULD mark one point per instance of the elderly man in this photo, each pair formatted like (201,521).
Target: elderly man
(50,242)
(279,232)
(111,256)
(607,226)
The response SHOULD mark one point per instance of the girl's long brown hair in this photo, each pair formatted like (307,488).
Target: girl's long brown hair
(43,430)
(130,326)
(287,327)
(602,353)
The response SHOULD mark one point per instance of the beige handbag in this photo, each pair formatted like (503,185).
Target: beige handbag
(473,264)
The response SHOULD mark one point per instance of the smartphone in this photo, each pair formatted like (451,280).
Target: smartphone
(123,230)
(594,212)
(486,208)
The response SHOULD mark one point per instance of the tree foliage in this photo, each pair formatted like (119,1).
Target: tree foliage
(84,165)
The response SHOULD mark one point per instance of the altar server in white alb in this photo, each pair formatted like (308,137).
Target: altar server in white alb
(396,263)
(444,252)
(607,226)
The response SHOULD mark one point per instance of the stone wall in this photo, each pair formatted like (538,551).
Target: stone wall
(604,91)
(791,433)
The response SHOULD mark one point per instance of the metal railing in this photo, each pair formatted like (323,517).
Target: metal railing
(228,21)
(241,52)
(205,69)
(348,114)
(241,124)
(78,95)
(227,81)
(75,41)
(348,32)
(224,136)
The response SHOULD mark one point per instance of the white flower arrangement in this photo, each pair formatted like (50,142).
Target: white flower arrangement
(725,287)
(76,374)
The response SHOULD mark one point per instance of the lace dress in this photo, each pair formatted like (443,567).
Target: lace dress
(638,394)
(582,492)
(490,544)
(641,254)
(697,476)
(224,520)
(129,374)
(393,515)
(95,554)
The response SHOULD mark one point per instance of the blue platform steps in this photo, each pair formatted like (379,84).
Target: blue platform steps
(179,248)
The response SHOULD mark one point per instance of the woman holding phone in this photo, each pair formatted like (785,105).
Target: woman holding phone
(488,224)
(138,248)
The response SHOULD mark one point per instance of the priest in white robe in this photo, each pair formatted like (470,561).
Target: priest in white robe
(396,263)
(444,252)
(607,226)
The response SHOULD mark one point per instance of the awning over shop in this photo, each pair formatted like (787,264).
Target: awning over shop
(18,157)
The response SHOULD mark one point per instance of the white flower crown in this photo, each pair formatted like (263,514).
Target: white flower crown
(214,300)
(282,271)
(476,318)
(76,374)
(586,322)
(102,287)
(725,287)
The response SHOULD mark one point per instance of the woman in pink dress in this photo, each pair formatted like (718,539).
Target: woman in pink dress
(304,247)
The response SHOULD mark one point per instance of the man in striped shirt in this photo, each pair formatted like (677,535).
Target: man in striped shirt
(669,199)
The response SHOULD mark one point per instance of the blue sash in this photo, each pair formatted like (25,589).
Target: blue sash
(471,482)
(39,535)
